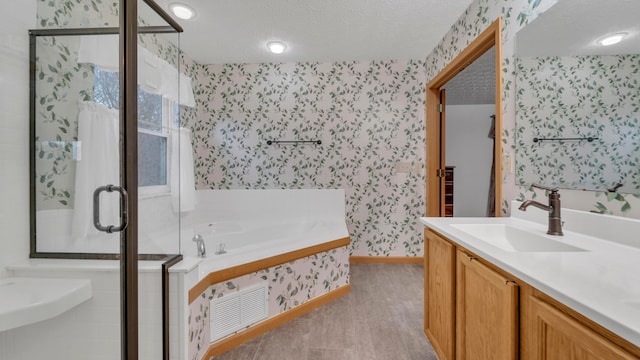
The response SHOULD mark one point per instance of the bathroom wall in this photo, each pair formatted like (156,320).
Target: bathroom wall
(368,114)
(470,150)
(14,132)
(515,14)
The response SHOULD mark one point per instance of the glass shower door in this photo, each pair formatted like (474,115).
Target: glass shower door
(81,208)
(79,202)
(101,158)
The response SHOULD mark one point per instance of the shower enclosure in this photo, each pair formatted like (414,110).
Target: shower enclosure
(82,146)
(104,114)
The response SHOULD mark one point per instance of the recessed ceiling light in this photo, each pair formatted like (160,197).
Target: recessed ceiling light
(612,39)
(182,11)
(276,47)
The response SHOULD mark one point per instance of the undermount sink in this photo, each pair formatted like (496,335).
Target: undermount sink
(512,239)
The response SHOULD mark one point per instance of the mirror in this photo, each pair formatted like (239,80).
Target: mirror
(578,102)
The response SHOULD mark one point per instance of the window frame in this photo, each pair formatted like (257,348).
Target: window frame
(170,116)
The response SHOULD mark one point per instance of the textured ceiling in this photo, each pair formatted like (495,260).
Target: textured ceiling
(476,84)
(572,27)
(236,31)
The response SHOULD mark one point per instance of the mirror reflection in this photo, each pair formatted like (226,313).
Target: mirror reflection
(578,97)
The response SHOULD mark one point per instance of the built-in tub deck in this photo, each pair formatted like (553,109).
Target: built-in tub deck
(294,243)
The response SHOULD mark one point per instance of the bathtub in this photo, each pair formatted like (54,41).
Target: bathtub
(252,225)
(295,242)
(247,242)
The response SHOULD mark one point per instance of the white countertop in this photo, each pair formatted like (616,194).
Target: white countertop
(600,283)
(26,301)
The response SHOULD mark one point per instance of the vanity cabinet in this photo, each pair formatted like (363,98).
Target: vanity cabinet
(439,300)
(486,312)
(475,310)
(557,336)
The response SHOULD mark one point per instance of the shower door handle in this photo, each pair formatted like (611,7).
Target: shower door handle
(96,209)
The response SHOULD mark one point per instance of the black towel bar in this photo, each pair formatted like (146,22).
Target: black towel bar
(589,139)
(294,142)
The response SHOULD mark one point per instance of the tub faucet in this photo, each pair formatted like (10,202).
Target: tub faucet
(555,222)
(199,240)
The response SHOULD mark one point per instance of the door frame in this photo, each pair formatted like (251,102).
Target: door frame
(490,37)
(128,42)
(128,30)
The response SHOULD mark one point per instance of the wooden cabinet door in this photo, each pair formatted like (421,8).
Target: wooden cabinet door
(486,312)
(556,336)
(439,296)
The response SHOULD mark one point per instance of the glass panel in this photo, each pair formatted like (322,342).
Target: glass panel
(75,87)
(76,145)
(158,147)
(158,167)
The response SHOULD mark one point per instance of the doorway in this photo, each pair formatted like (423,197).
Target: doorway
(436,123)
(470,140)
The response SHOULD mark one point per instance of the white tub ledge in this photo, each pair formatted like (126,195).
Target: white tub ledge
(25,301)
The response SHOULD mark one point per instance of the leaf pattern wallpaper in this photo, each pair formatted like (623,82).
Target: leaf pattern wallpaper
(60,83)
(369,115)
(589,96)
(290,284)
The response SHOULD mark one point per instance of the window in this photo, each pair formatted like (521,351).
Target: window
(156,115)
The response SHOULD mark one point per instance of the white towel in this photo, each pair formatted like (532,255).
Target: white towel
(182,180)
(99,166)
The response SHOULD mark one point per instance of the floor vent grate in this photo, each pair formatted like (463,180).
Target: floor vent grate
(236,311)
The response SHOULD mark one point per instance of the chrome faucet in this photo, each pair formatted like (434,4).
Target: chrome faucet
(555,222)
(199,240)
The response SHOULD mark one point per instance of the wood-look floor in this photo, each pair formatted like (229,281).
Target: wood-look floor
(380,319)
